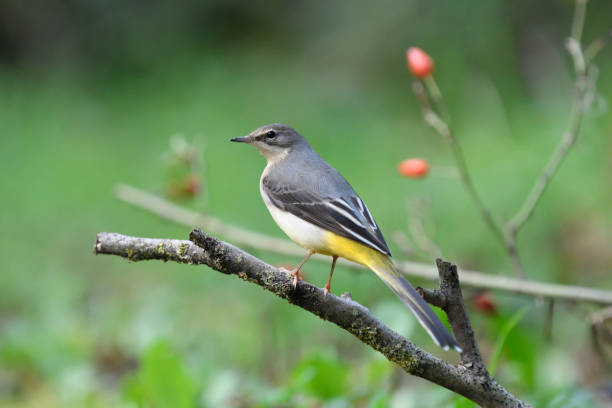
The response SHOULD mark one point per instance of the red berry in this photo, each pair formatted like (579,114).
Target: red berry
(192,185)
(413,168)
(484,302)
(420,63)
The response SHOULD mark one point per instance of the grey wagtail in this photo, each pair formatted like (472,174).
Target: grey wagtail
(318,209)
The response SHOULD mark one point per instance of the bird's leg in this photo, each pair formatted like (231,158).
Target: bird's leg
(296,272)
(327,286)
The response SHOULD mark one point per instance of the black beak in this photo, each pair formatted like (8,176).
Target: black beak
(243,139)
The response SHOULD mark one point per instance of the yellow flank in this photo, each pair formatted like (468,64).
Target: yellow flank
(353,251)
(379,263)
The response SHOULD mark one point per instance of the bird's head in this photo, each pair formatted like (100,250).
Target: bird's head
(274,141)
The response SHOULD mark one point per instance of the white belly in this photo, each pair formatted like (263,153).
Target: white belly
(301,232)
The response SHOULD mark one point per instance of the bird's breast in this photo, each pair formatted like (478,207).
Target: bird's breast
(301,232)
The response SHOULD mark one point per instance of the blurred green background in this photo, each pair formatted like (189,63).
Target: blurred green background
(91,93)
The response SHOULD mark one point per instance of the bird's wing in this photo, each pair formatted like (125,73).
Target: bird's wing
(345,215)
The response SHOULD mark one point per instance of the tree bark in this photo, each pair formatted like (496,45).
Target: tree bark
(467,378)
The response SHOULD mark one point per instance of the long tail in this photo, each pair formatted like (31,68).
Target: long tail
(384,268)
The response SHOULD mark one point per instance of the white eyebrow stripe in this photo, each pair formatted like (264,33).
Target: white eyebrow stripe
(333,205)
(362,239)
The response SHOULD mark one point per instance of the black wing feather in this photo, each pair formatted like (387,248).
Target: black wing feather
(351,220)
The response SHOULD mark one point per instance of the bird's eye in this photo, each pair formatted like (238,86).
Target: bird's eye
(270,134)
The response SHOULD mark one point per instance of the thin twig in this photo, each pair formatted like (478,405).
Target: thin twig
(402,241)
(596,46)
(578,20)
(601,333)
(432,296)
(345,313)
(436,96)
(475,279)
(241,236)
(440,126)
(550,314)
(416,226)
(181,215)
(569,137)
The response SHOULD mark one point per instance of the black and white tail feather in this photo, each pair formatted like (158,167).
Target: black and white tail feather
(386,271)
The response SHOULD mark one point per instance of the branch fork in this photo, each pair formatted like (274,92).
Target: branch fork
(470,378)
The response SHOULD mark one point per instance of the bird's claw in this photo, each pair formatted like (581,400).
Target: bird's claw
(293,272)
(296,277)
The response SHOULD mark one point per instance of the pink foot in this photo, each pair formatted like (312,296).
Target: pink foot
(293,272)
(296,276)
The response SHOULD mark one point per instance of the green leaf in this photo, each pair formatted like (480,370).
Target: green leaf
(321,375)
(572,398)
(161,381)
(503,335)
(376,371)
(379,400)
(462,402)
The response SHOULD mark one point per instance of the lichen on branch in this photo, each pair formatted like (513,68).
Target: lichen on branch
(466,378)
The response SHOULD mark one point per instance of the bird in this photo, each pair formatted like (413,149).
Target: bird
(319,210)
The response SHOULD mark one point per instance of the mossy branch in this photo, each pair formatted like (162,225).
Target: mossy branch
(466,379)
